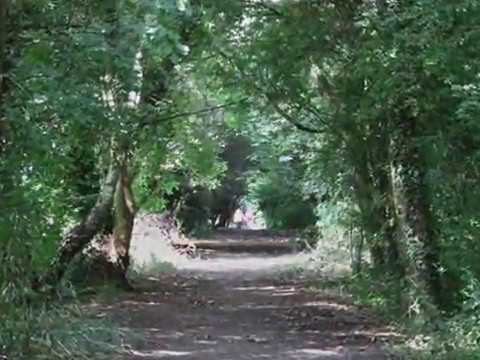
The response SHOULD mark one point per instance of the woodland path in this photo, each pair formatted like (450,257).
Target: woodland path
(232,306)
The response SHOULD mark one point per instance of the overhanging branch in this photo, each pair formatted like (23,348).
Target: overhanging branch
(291,120)
(272,102)
(196,112)
(265,6)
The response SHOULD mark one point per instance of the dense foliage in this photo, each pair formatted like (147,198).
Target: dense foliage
(364,109)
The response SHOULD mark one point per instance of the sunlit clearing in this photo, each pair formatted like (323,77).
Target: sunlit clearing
(243,264)
(151,249)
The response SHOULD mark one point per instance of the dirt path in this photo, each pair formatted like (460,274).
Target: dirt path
(231,307)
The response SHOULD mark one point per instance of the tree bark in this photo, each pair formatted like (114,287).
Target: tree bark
(384,211)
(81,235)
(3,42)
(356,250)
(124,210)
(370,187)
(369,158)
(110,253)
(418,247)
(363,188)
(3,59)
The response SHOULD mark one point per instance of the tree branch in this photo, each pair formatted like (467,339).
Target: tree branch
(268,7)
(196,112)
(291,120)
(277,108)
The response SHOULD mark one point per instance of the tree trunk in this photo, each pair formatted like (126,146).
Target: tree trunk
(3,42)
(373,219)
(109,254)
(385,213)
(124,210)
(3,56)
(356,249)
(371,185)
(418,247)
(81,235)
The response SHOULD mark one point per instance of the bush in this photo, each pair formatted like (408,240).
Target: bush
(281,202)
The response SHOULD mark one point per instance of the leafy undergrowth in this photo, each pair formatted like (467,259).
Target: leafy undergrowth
(454,337)
(40,330)
(447,337)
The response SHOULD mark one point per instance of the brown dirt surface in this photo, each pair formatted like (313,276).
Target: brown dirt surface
(232,306)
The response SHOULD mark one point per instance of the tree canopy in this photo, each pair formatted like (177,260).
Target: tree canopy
(352,114)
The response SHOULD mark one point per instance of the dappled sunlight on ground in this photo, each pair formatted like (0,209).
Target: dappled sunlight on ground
(313,353)
(157,354)
(234,307)
(242,265)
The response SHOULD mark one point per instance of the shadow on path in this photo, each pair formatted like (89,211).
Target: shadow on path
(233,307)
